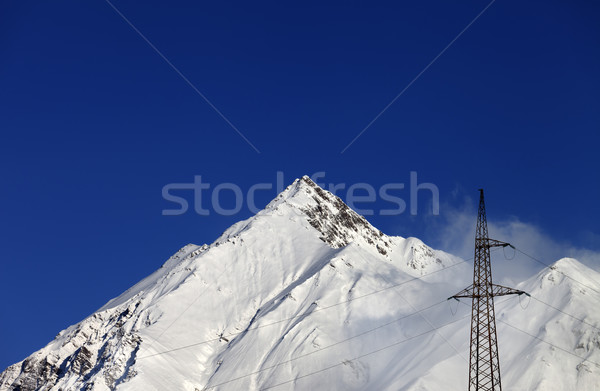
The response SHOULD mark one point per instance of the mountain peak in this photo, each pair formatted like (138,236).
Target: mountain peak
(337,223)
(566,263)
(572,267)
(571,274)
(296,190)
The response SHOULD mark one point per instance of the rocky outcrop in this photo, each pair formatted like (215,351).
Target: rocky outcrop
(338,224)
(101,349)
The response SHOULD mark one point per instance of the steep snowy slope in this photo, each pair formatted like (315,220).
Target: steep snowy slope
(308,295)
(549,341)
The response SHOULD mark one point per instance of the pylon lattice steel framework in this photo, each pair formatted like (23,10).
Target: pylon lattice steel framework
(484,364)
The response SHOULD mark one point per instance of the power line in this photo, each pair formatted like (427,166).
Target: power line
(296,316)
(556,269)
(419,335)
(376,328)
(363,333)
(549,343)
(154,340)
(569,277)
(422,316)
(417,77)
(563,312)
(356,298)
(366,354)
(188,82)
(326,347)
(433,329)
(559,310)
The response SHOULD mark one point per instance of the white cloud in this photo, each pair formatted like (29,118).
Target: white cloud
(454,231)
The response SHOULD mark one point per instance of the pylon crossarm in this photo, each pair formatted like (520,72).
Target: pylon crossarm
(487,242)
(465,293)
(499,290)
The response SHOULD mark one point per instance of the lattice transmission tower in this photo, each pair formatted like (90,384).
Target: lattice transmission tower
(484,364)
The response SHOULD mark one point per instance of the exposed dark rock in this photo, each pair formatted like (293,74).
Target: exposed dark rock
(337,223)
(39,372)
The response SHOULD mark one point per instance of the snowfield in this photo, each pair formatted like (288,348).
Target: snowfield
(307,295)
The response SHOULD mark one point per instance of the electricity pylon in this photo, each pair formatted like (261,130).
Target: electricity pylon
(484,364)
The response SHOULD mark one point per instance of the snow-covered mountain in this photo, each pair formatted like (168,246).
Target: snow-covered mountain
(308,295)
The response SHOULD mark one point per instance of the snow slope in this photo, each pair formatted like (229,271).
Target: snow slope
(308,295)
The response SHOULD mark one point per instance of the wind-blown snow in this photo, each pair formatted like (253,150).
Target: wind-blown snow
(291,297)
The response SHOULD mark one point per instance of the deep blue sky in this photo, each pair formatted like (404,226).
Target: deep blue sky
(94,123)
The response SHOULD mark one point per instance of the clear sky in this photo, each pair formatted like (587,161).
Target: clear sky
(94,123)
